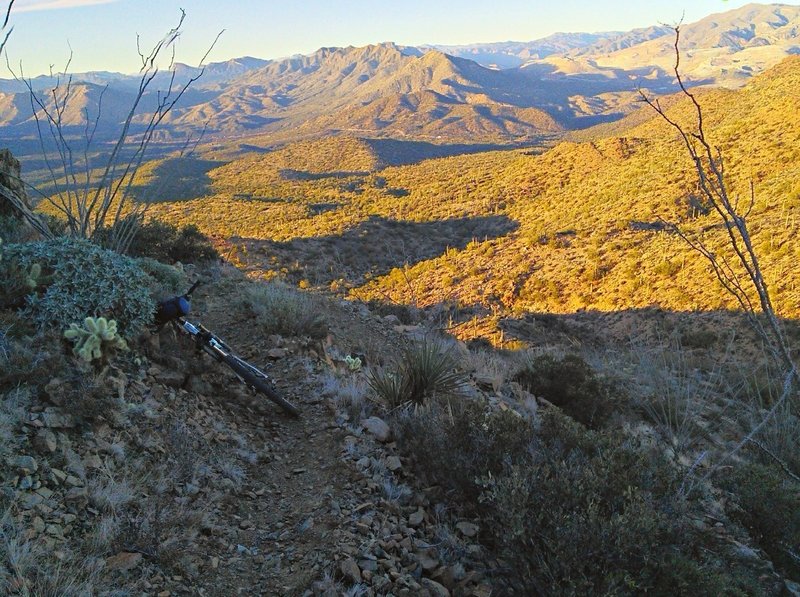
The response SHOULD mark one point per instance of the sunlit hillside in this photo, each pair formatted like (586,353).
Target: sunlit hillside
(573,228)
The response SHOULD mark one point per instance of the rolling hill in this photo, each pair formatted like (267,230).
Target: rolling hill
(572,228)
(443,94)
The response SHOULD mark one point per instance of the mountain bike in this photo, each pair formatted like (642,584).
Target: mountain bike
(174,311)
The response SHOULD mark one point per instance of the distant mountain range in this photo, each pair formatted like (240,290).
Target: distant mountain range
(497,93)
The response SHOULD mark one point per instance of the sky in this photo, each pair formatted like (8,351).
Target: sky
(102,34)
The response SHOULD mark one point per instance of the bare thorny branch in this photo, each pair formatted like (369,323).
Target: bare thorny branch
(7,33)
(100,200)
(743,278)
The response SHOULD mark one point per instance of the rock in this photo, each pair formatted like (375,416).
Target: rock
(467,529)
(350,570)
(38,524)
(378,428)
(428,562)
(31,500)
(56,420)
(56,391)
(45,441)
(391,320)
(482,590)
(416,518)
(23,465)
(792,588)
(744,552)
(124,561)
(435,588)
(77,497)
(169,378)
(276,353)
(393,463)
(368,565)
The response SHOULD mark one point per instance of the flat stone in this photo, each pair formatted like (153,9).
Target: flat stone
(23,465)
(77,497)
(416,518)
(58,420)
(467,529)
(436,589)
(31,500)
(350,570)
(378,428)
(168,377)
(428,563)
(124,561)
(277,353)
(393,463)
(45,441)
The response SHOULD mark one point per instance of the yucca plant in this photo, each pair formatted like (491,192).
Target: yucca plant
(427,368)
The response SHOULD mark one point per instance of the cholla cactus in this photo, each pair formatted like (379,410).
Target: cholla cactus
(33,277)
(353,364)
(96,335)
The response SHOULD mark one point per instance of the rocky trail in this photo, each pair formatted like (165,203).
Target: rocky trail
(328,507)
(204,488)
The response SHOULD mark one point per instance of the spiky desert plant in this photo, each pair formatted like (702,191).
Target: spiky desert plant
(96,335)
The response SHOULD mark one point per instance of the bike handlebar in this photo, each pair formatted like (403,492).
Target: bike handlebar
(175,307)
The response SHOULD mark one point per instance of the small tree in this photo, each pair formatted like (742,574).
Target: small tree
(92,198)
(739,271)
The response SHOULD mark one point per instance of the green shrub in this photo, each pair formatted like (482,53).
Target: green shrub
(167,281)
(566,510)
(165,242)
(85,280)
(569,383)
(455,444)
(426,369)
(279,309)
(768,506)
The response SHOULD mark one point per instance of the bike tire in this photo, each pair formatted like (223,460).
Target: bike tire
(259,382)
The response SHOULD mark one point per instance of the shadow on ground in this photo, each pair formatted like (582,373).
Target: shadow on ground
(373,248)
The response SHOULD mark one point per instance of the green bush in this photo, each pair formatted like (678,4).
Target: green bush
(566,510)
(426,369)
(768,506)
(571,384)
(165,242)
(167,281)
(84,280)
(455,444)
(279,309)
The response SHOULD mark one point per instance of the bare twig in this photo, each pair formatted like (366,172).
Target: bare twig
(99,200)
(742,278)
(5,24)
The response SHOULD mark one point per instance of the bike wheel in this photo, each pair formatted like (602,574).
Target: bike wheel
(259,381)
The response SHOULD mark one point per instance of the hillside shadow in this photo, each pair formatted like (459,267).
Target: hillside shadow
(177,179)
(373,248)
(393,152)
(705,337)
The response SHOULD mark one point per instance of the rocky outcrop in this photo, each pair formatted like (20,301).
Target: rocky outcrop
(10,179)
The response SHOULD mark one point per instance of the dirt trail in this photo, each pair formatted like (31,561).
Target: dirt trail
(312,516)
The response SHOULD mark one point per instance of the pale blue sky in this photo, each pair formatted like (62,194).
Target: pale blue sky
(102,33)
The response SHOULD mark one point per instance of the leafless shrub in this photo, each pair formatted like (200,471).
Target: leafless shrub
(672,394)
(735,263)
(86,200)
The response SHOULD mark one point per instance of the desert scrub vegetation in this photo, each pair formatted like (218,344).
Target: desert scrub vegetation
(83,280)
(569,510)
(162,241)
(571,384)
(427,368)
(279,309)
